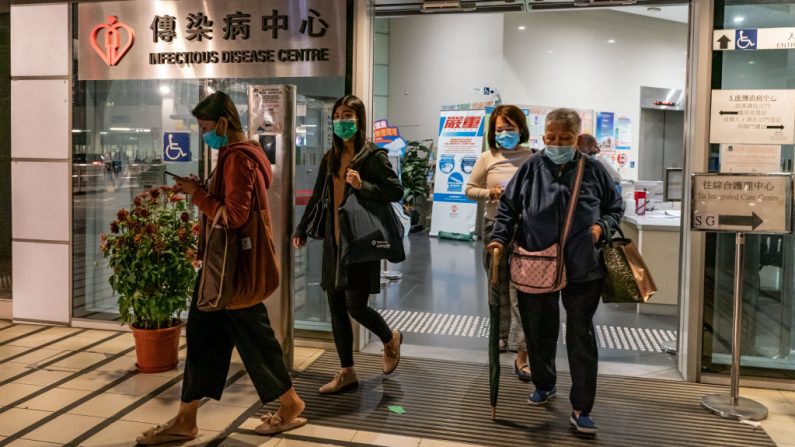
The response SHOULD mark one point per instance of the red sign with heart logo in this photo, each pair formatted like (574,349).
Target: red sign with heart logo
(113,51)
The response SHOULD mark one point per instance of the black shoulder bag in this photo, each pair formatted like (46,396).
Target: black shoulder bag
(317,215)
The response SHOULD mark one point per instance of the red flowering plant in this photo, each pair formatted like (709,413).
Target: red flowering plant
(152,252)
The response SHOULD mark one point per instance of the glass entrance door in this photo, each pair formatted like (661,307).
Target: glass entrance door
(768,345)
(313,131)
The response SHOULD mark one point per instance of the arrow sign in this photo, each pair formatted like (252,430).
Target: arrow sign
(781,126)
(724,112)
(724,42)
(752,221)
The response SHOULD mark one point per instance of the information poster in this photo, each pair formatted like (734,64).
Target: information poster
(460,145)
(623,135)
(626,155)
(605,124)
(267,109)
(586,118)
(535,124)
(750,159)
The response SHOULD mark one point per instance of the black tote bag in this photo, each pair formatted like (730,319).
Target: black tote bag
(369,231)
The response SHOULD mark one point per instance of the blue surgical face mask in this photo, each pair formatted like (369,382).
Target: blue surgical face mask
(507,139)
(214,140)
(560,155)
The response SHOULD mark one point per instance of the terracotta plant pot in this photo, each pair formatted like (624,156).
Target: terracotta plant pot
(156,349)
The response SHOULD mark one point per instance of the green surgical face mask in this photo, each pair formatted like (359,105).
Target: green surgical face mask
(345,129)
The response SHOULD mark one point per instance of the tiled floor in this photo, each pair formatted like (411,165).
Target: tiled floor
(65,386)
(780,423)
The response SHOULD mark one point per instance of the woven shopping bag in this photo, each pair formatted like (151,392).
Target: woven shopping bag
(627,278)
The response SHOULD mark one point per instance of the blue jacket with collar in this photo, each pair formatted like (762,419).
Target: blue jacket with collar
(535,203)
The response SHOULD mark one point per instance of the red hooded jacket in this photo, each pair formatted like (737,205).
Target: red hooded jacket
(240,176)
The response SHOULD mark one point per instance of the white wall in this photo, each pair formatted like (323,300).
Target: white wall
(560,59)
(564,59)
(437,60)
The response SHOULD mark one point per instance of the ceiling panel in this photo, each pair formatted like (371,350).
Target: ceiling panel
(675,10)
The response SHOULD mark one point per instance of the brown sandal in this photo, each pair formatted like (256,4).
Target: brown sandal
(155,436)
(273,424)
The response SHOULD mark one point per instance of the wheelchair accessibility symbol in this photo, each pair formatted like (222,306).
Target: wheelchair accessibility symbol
(176,146)
(745,39)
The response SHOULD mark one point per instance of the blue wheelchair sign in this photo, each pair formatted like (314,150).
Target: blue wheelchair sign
(745,39)
(176,146)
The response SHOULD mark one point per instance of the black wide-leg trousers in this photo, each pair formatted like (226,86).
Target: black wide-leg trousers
(211,336)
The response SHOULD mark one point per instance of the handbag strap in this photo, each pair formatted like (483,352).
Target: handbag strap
(575,195)
(267,213)
(324,195)
(610,236)
(221,213)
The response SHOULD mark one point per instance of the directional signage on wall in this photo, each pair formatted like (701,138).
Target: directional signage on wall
(753,39)
(742,203)
(753,116)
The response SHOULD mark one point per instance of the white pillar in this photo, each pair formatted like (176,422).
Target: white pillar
(363,14)
(41,188)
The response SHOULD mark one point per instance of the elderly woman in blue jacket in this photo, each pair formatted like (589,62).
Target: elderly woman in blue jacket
(537,199)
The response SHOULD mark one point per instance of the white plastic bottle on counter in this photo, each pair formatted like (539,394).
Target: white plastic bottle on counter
(629,202)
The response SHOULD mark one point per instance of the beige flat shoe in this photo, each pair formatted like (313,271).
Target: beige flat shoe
(343,381)
(157,436)
(392,353)
(272,424)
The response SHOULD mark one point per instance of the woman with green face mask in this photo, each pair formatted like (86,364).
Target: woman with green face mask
(353,165)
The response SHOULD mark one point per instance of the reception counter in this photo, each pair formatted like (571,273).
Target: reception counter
(657,236)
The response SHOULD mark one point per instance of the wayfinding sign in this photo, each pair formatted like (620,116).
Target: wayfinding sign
(753,117)
(738,203)
(753,39)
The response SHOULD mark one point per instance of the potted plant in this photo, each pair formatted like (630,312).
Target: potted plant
(415,165)
(152,252)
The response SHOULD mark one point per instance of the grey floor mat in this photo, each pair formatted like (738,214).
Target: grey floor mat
(450,401)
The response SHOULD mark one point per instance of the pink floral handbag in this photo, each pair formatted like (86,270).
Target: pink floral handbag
(544,271)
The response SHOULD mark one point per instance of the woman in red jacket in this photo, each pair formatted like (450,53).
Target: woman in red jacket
(243,323)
